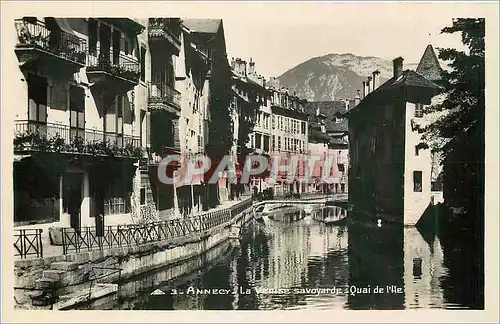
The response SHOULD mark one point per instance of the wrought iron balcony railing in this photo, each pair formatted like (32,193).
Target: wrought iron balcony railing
(161,92)
(165,28)
(33,136)
(126,68)
(32,33)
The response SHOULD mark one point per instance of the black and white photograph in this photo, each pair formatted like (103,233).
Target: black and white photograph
(266,156)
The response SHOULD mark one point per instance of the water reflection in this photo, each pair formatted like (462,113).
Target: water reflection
(291,265)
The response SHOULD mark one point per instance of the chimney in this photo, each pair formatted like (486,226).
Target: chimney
(357,99)
(397,64)
(368,85)
(376,79)
(233,64)
(364,89)
(251,67)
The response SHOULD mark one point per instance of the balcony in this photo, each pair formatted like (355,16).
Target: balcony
(56,50)
(123,75)
(165,31)
(46,137)
(163,97)
(156,158)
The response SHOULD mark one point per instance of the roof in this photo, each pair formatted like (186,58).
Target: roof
(208,26)
(328,108)
(333,127)
(429,65)
(408,78)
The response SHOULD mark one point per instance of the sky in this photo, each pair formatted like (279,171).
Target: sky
(280,39)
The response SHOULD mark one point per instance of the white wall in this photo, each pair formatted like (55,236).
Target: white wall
(415,203)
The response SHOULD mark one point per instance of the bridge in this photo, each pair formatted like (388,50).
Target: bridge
(307,203)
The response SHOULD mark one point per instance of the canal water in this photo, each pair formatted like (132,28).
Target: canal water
(307,264)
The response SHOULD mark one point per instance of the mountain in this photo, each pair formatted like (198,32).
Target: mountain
(335,76)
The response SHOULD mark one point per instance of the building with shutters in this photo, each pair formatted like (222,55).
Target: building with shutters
(81,124)
(391,172)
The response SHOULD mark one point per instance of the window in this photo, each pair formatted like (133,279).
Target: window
(37,103)
(116,200)
(417,181)
(77,112)
(266,143)
(116,46)
(279,143)
(143,64)
(143,196)
(419,110)
(93,36)
(303,128)
(258,139)
(273,143)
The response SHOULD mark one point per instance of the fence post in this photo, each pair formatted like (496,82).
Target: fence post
(39,240)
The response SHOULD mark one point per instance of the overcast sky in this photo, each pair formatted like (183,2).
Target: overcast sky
(280,39)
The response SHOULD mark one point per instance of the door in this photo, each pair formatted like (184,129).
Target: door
(77,113)
(37,104)
(73,194)
(105,44)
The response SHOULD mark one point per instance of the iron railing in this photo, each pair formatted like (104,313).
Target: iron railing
(89,238)
(31,135)
(165,27)
(161,92)
(126,68)
(28,242)
(34,33)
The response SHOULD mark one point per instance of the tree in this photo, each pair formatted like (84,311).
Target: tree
(461,124)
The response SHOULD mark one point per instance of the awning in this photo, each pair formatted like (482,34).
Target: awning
(65,26)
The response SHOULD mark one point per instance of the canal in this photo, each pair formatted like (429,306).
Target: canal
(307,264)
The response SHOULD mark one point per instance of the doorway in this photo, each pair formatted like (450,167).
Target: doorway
(72,197)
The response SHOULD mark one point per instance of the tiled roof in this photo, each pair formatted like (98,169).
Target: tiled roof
(429,65)
(409,78)
(328,108)
(209,26)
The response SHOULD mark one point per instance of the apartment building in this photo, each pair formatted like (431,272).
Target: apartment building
(251,106)
(289,134)
(328,138)
(390,175)
(83,127)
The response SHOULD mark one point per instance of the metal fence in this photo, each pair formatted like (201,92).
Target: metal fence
(30,133)
(92,238)
(34,33)
(162,92)
(28,242)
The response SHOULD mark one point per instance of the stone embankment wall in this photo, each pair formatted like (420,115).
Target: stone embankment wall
(55,282)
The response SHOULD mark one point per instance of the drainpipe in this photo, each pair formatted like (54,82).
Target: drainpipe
(176,200)
(192,199)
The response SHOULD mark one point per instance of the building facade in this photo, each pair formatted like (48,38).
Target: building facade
(252,122)
(289,136)
(84,126)
(328,138)
(390,170)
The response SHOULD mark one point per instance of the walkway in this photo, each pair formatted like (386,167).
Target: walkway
(31,241)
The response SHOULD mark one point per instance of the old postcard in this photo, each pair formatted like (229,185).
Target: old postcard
(295,160)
